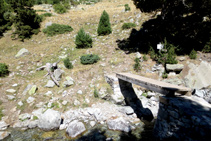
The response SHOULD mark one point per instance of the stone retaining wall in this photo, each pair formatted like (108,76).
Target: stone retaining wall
(182,118)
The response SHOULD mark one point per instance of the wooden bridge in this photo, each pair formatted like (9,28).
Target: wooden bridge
(152,84)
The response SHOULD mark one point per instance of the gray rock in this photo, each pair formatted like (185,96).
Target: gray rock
(49,93)
(11,91)
(150,94)
(119,124)
(33,124)
(174,67)
(25,116)
(126,110)
(3,125)
(30,99)
(79,92)
(4,134)
(199,93)
(20,103)
(33,90)
(28,87)
(138,55)
(92,123)
(76,102)
(64,102)
(50,120)
(69,82)
(22,52)
(75,128)
(182,58)
(10,97)
(50,84)
(58,74)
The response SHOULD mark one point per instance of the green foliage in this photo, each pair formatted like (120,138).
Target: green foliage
(127,7)
(89,59)
(1,113)
(144,94)
(128,25)
(67,63)
(164,75)
(96,93)
(42,16)
(145,57)
(137,66)
(55,29)
(26,21)
(193,54)
(152,53)
(207,47)
(59,8)
(35,118)
(171,56)
(52,2)
(83,40)
(3,70)
(104,26)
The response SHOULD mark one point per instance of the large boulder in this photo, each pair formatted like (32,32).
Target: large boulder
(119,124)
(50,120)
(4,134)
(22,52)
(75,128)
(174,67)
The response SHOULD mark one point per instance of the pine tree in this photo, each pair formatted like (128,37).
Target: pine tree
(26,21)
(4,20)
(83,40)
(104,26)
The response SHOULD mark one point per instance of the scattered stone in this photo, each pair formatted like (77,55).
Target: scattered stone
(30,99)
(11,91)
(58,74)
(182,59)
(4,134)
(14,85)
(174,67)
(20,103)
(76,102)
(64,102)
(119,124)
(69,82)
(75,128)
(33,124)
(50,120)
(48,24)
(79,92)
(138,55)
(92,123)
(28,87)
(10,97)
(22,52)
(50,84)
(3,125)
(48,93)
(171,74)
(33,90)
(24,116)
(126,110)
(199,93)
(150,94)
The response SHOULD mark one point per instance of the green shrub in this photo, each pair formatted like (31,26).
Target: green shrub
(152,53)
(3,70)
(128,25)
(89,59)
(55,29)
(42,16)
(104,26)
(145,57)
(67,63)
(171,56)
(193,54)
(127,7)
(164,75)
(83,40)
(1,113)
(137,66)
(59,8)
(52,2)
(207,47)
(96,93)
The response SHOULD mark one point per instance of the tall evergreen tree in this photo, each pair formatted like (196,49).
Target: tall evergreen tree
(104,26)
(4,20)
(26,21)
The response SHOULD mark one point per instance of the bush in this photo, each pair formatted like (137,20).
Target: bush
(96,93)
(55,29)
(127,7)
(83,40)
(128,25)
(89,59)
(59,8)
(145,57)
(164,75)
(3,70)
(67,63)
(42,16)
(137,66)
(171,56)
(207,47)
(104,26)
(193,54)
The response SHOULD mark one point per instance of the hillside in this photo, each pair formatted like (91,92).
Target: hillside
(43,49)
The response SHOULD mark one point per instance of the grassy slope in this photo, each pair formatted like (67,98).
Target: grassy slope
(47,49)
